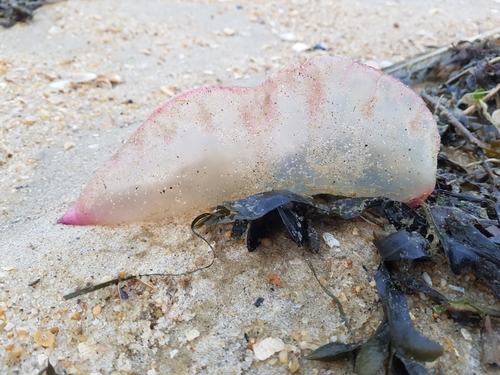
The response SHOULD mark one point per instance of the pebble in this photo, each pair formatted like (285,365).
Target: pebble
(427,278)
(258,302)
(228,31)
(283,357)
(266,242)
(288,37)
(300,47)
(29,120)
(267,347)
(42,359)
(466,334)
(385,64)
(69,145)
(295,261)
(330,240)
(293,366)
(274,279)
(76,316)
(192,334)
(96,310)
(304,345)
(321,47)
(167,91)
(457,288)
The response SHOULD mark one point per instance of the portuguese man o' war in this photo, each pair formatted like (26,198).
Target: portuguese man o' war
(325,126)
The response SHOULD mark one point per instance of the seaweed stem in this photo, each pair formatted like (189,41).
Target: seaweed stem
(330,294)
(118,280)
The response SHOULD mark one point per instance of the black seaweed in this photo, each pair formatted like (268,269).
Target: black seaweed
(403,245)
(404,337)
(12,11)
(396,343)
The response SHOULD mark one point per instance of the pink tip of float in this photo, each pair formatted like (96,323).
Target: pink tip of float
(419,200)
(74,216)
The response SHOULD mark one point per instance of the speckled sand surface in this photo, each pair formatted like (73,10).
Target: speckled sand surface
(52,140)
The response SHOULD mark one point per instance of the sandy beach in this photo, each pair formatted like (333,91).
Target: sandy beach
(54,135)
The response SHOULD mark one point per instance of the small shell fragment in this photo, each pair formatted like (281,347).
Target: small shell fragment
(96,310)
(300,47)
(293,366)
(457,288)
(44,338)
(229,32)
(167,91)
(330,240)
(69,145)
(427,278)
(267,347)
(283,356)
(466,335)
(192,334)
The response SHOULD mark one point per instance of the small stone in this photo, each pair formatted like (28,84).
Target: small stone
(283,357)
(96,310)
(266,242)
(30,120)
(342,297)
(293,366)
(228,31)
(274,279)
(76,316)
(167,91)
(427,278)
(330,240)
(456,288)
(69,145)
(267,347)
(385,64)
(289,37)
(192,334)
(355,232)
(22,333)
(321,47)
(300,47)
(295,261)
(466,334)
(9,326)
(304,345)
(42,359)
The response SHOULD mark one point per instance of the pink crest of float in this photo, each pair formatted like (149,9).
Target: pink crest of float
(328,125)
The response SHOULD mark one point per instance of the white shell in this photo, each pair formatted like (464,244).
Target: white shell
(328,125)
